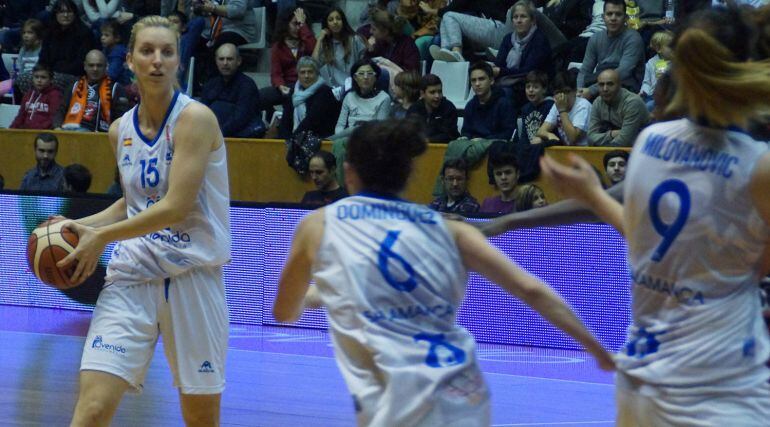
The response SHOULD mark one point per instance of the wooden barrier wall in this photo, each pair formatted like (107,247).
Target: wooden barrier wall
(258,169)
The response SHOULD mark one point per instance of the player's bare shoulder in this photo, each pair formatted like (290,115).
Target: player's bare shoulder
(198,122)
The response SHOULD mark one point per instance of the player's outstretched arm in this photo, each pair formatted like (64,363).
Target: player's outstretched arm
(478,255)
(569,211)
(578,180)
(293,293)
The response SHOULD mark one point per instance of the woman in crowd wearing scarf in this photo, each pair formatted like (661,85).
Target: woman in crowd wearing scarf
(338,47)
(313,105)
(525,49)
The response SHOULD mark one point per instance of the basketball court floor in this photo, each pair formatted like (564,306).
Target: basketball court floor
(279,377)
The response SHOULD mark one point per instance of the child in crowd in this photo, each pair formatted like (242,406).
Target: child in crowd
(31,42)
(115,51)
(534,112)
(406,91)
(505,170)
(529,196)
(656,66)
(39,105)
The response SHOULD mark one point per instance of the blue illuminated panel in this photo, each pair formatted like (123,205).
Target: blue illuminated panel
(585,264)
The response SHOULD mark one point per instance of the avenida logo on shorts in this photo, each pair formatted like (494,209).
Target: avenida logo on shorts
(206,367)
(100,345)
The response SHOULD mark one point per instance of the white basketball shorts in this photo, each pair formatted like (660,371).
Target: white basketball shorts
(188,310)
(642,405)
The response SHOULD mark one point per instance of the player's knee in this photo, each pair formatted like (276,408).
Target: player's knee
(91,412)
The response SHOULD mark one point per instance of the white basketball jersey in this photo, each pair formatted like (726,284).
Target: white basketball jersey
(391,277)
(694,241)
(202,238)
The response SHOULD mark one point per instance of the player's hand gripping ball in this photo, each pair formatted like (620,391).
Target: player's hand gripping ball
(48,244)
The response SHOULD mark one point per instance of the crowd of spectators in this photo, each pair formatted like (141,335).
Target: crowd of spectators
(541,73)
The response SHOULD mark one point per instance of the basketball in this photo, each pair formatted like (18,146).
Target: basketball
(47,245)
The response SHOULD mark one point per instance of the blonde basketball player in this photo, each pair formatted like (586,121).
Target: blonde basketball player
(392,275)
(172,228)
(697,219)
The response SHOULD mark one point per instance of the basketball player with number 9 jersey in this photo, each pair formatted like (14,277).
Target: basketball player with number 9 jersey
(697,220)
(695,242)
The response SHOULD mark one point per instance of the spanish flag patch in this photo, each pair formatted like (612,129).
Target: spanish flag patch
(127,142)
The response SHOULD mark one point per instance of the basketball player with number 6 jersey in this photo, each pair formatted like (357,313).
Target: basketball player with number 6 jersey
(696,217)
(392,275)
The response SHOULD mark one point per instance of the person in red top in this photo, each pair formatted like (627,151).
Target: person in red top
(293,40)
(39,105)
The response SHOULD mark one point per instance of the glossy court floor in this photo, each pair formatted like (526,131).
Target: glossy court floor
(277,377)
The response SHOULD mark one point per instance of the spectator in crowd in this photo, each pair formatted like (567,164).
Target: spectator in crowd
(95,100)
(47,175)
(406,92)
(489,114)
(189,33)
(523,50)
(617,115)
(571,17)
(652,18)
(505,170)
(529,196)
(618,47)
(389,46)
(576,47)
(456,199)
(567,122)
(423,20)
(115,51)
(229,22)
(77,179)
(323,172)
(66,45)
(438,114)
(615,163)
(314,107)
(657,65)
(41,104)
(233,96)
(338,47)
(14,14)
(293,40)
(532,115)
(365,102)
(98,11)
(478,22)
(32,33)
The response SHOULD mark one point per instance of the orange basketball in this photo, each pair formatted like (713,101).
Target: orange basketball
(48,244)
